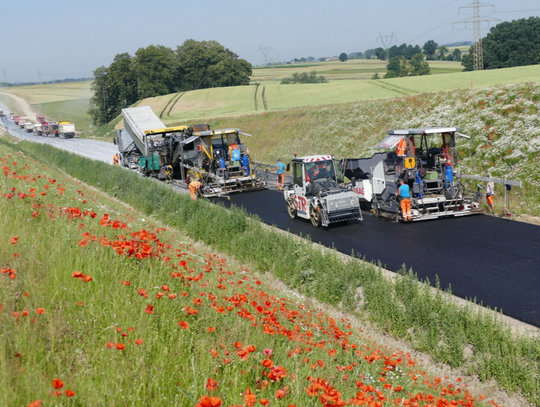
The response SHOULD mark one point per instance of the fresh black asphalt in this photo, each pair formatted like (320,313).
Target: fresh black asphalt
(493,260)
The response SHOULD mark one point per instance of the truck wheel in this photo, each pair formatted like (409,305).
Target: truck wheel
(291,209)
(316,217)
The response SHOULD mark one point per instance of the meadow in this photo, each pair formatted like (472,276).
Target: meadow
(92,288)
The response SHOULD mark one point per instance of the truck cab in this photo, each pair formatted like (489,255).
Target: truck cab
(316,194)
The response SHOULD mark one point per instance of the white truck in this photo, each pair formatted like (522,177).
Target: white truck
(66,130)
(38,129)
(29,126)
(315,193)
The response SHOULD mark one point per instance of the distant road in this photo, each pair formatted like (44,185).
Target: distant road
(97,150)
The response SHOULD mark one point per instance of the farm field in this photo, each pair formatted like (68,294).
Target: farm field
(93,288)
(59,101)
(204,104)
(352,69)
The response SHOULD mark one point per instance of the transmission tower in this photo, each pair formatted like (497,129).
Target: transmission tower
(265,51)
(477,21)
(386,41)
(4,71)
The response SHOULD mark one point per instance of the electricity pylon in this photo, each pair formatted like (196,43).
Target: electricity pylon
(477,21)
(386,41)
(265,51)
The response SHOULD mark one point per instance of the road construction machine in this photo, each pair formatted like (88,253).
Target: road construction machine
(217,158)
(316,193)
(425,159)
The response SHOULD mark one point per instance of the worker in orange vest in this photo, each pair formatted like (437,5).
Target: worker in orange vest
(116,158)
(404,195)
(401,147)
(195,189)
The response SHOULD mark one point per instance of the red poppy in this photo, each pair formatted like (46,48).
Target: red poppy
(36,403)
(120,346)
(70,393)
(264,402)
(268,363)
(249,398)
(109,345)
(139,342)
(14,239)
(183,324)
(57,383)
(211,384)
(207,401)
(211,328)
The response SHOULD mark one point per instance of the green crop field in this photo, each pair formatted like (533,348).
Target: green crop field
(221,102)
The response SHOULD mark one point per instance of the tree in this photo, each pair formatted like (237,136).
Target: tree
(467,60)
(515,43)
(155,68)
(392,68)
(208,64)
(429,49)
(304,77)
(419,65)
(368,54)
(343,57)
(443,50)
(380,53)
(103,102)
(405,67)
(457,55)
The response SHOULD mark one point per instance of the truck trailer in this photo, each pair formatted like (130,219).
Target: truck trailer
(65,130)
(425,159)
(29,126)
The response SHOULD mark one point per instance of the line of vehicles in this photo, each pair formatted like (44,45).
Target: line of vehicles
(42,127)
(322,190)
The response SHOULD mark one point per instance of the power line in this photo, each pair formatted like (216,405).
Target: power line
(386,41)
(265,51)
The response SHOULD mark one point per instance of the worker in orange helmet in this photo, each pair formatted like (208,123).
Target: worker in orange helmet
(195,189)
(116,158)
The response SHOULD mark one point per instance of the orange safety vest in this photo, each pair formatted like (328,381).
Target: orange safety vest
(401,147)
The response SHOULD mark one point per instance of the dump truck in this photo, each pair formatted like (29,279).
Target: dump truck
(21,122)
(65,130)
(128,151)
(425,159)
(53,129)
(217,158)
(317,194)
(29,126)
(38,129)
(40,118)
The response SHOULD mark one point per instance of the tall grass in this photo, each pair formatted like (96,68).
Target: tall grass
(464,337)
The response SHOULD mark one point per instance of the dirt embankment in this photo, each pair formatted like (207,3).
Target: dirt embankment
(24,105)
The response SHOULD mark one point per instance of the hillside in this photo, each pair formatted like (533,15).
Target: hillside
(207,104)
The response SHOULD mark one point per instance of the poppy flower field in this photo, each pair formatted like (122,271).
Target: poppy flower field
(103,304)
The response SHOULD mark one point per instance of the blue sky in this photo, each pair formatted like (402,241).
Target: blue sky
(70,38)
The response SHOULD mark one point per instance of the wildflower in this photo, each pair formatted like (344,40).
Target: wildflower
(149,309)
(211,384)
(110,345)
(249,398)
(263,402)
(36,403)
(120,346)
(211,328)
(14,240)
(268,363)
(139,342)
(57,383)
(207,401)
(70,393)
(183,324)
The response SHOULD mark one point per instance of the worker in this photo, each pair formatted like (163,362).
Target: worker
(490,196)
(168,174)
(401,147)
(280,174)
(195,189)
(404,195)
(115,158)
(245,165)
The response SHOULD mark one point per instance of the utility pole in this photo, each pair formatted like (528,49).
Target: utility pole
(4,71)
(265,51)
(477,21)
(386,41)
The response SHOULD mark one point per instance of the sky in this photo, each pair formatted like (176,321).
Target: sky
(58,39)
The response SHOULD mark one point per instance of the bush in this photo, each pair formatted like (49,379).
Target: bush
(304,77)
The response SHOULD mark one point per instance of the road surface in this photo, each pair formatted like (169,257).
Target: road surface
(492,260)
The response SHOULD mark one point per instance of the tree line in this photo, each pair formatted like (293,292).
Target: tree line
(159,70)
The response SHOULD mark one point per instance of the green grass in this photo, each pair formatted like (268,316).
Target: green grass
(57,92)
(74,110)
(428,320)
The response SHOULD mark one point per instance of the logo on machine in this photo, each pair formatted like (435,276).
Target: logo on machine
(300,203)
(359,190)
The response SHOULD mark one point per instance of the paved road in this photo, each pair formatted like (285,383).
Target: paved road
(491,259)
(94,149)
